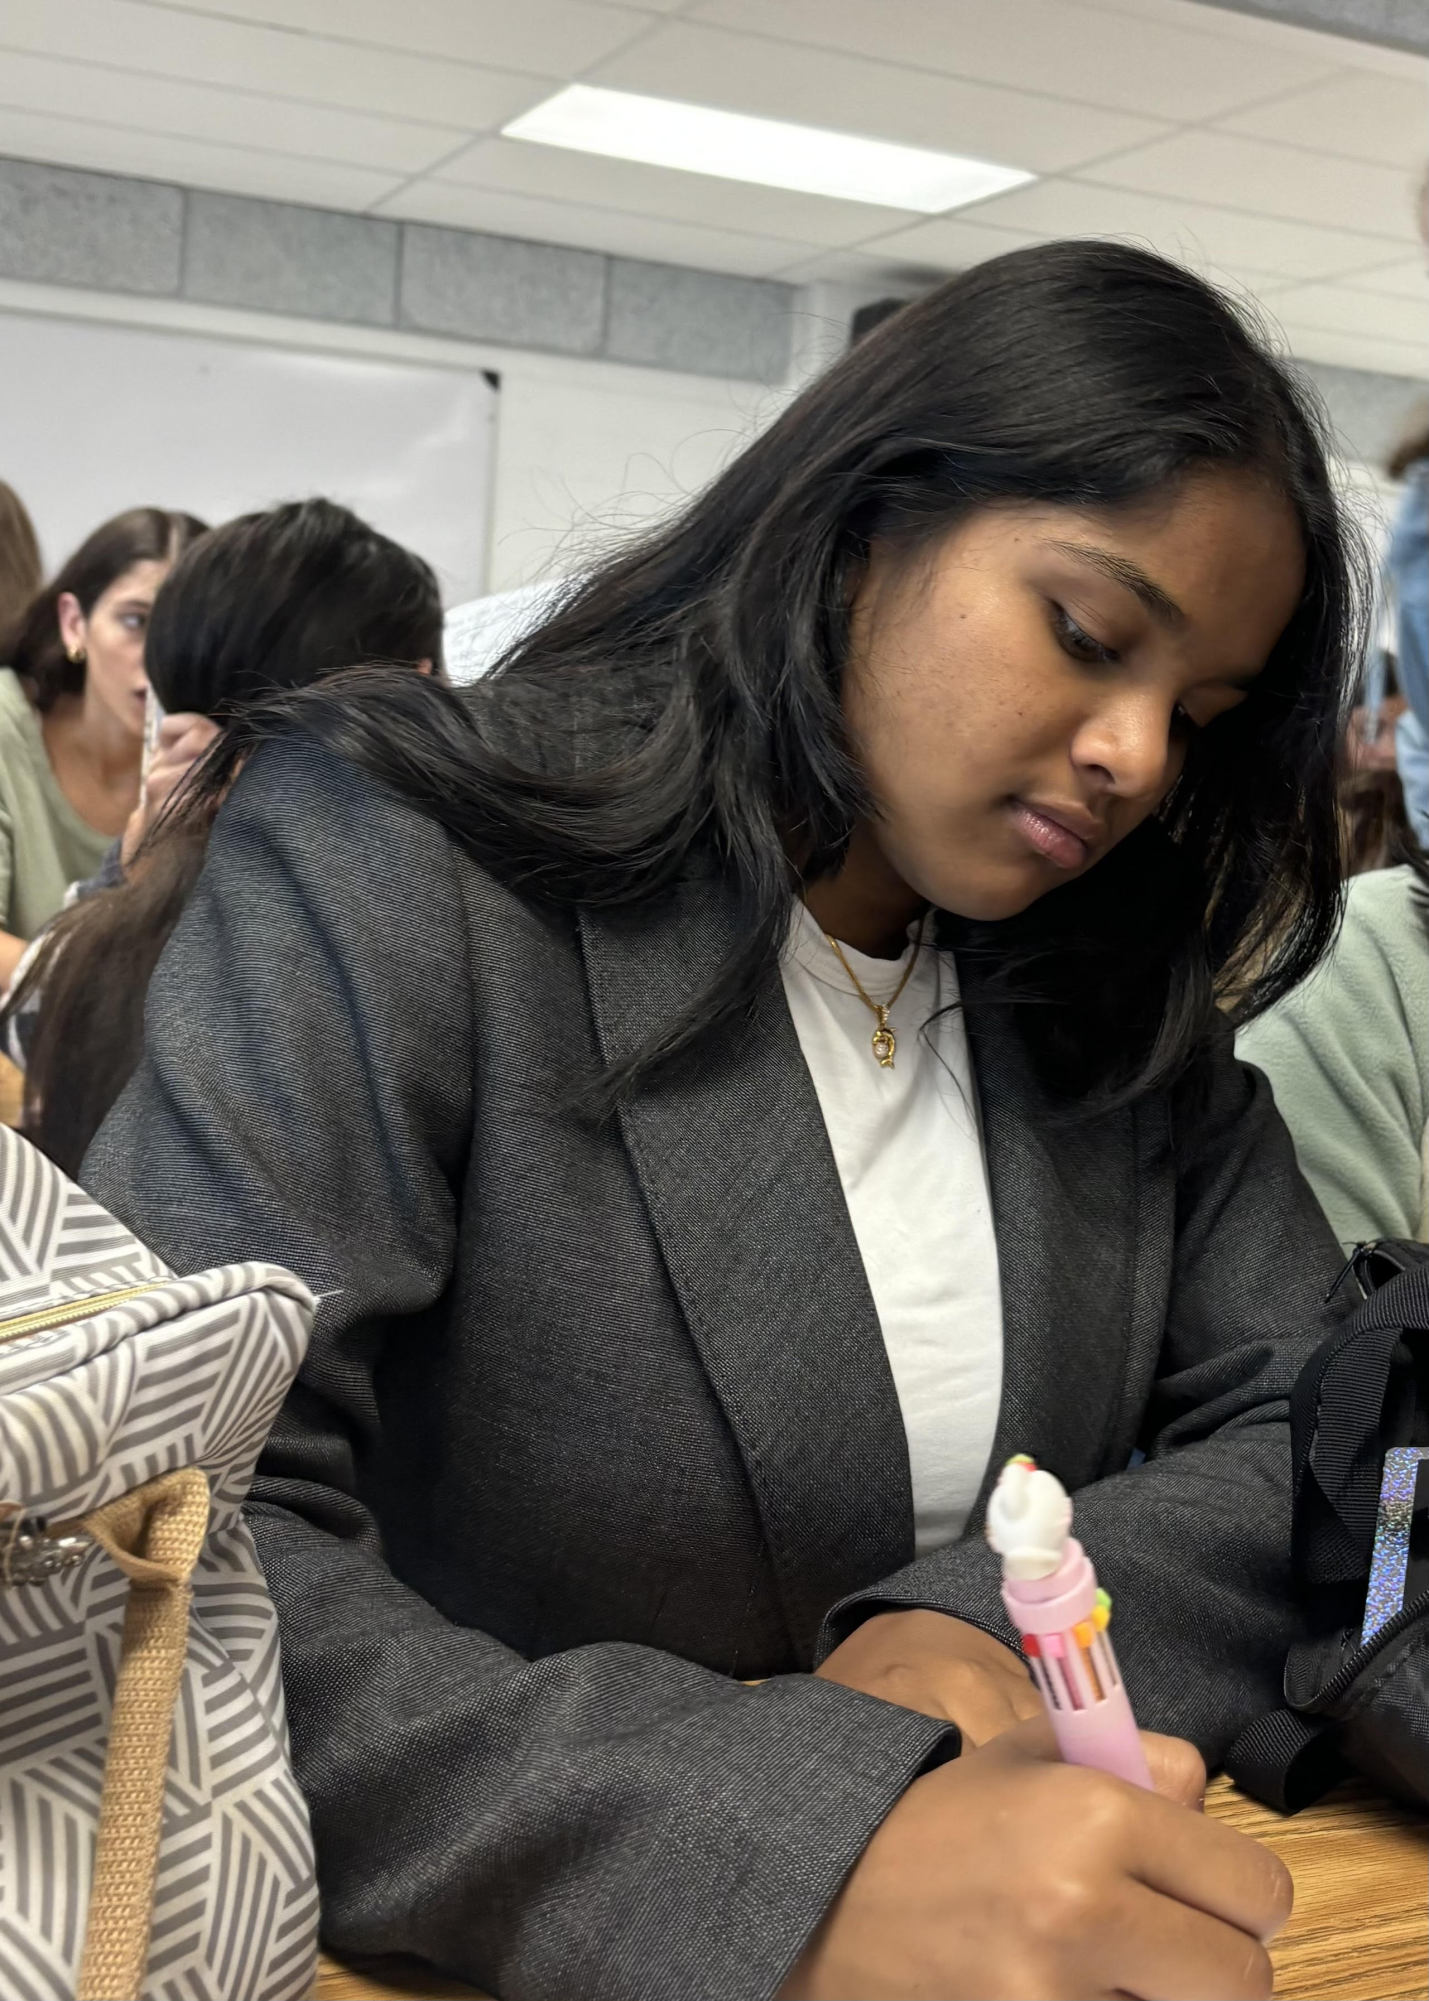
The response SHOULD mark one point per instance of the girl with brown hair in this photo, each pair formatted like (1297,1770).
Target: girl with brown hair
(21,572)
(72,709)
(268,602)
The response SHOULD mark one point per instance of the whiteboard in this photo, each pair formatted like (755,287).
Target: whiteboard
(95,418)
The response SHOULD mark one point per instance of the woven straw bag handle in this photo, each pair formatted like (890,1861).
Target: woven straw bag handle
(155,1534)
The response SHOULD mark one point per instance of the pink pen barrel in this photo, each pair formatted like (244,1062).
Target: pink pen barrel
(1063,1622)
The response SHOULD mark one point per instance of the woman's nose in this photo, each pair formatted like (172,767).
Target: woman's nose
(1128,749)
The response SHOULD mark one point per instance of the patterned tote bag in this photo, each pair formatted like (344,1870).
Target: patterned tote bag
(153,1842)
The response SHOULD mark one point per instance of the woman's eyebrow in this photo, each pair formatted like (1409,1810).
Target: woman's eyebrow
(1129,575)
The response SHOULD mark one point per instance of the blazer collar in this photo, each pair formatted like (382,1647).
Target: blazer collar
(734,1162)
(739,1179)
(1065,1202)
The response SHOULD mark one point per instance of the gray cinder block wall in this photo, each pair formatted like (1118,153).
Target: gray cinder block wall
(1399,24)
(65,227)
(61,226)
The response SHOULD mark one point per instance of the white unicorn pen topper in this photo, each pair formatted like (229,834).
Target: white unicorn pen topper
(1029,1519)
(1052,1597)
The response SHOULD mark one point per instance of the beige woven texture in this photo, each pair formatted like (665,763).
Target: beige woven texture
(155,1534)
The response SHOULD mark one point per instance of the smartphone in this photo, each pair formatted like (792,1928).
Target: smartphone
(153,716)
(1399,1565)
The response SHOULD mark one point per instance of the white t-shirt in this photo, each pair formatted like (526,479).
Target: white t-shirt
(908,1147)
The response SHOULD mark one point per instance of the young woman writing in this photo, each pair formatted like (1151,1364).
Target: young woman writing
(736,1075)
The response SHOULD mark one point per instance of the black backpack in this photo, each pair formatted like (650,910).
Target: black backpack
(1352,1707)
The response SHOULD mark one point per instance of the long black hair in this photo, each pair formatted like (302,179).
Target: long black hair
(269,601)
(280,599)
(706,665)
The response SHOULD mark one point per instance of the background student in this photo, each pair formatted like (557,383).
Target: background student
(21,573)
(670,1338)
(1408,578)
(1348,1056)
(72,715)
(269,601)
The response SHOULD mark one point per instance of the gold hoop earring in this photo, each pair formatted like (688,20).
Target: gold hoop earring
(75,655)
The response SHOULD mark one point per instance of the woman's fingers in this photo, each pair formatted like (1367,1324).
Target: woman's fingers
(1165,1952)
(1178,1771)
(1006,1875)
(188,737)
(177,726)
(1184,1856)
(1214,1869)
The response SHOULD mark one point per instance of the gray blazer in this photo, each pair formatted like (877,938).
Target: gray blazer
(597,1424)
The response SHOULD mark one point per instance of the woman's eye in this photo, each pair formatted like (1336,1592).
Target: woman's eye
(1080,644)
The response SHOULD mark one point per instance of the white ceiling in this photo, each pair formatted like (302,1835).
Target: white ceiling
(1281,160)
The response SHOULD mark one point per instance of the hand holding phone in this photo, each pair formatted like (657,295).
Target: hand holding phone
(153,718)
(180,741)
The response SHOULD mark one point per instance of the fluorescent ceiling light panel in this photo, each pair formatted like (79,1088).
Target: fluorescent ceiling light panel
(699,140)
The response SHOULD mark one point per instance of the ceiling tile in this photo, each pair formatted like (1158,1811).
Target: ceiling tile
(547,37)
(1363,116)
(948,243)
(1197,17)
(241,56)
(851,94)
(1283,181)
(111,149)
(1345,309)
(557,175)
(1195,232)
(952,245)
(1049,46)
(162,106)
(582,228)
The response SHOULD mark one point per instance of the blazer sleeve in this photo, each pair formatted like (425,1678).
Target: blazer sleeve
(608,1822)
(1194,1545)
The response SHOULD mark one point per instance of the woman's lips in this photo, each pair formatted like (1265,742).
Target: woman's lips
(1056,843)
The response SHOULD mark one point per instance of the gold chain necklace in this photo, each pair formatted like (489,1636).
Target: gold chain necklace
(885,1042)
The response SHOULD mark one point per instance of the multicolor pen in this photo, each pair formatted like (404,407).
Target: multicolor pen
(1052,1597)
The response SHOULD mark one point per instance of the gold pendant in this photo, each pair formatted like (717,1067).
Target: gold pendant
(884,1041)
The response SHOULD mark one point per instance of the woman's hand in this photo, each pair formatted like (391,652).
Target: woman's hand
(1009,1874)
(183,739)
(939,1666)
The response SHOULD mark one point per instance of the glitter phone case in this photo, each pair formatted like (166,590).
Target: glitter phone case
(1399,1563)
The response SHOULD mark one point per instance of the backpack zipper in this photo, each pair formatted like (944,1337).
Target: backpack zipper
(30,1551)
(1363,1654)
(63,1312)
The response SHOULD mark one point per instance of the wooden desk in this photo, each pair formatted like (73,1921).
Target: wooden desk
(1360,1930)
(12,1092)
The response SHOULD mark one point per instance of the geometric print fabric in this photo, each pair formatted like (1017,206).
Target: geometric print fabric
(188,1372)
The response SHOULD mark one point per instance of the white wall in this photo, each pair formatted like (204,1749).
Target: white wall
(587,452)
(95,418)
(584,449)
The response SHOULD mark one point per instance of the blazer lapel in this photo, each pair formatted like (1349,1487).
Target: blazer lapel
(1064,1204)
(739,1179)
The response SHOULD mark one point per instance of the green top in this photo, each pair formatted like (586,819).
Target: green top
(1348,1056)
(44,844)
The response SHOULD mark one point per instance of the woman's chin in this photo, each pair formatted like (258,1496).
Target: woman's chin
(1002,893)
